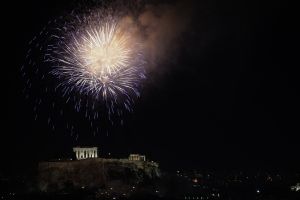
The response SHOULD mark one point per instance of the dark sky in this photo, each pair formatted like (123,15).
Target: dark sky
(228,100)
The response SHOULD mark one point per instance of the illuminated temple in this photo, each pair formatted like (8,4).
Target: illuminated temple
(85,152)
(92,152)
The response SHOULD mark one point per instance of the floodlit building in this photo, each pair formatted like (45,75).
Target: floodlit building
(137,157)
(85,152)
(296,188)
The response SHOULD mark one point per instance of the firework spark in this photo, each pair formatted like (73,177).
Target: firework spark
(102,61)
(95,62)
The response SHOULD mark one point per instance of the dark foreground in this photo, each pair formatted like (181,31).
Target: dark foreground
(188,185)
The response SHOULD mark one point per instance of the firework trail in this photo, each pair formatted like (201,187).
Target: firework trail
(92,62)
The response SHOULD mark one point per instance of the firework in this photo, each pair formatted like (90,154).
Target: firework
(92,62)
(102,60)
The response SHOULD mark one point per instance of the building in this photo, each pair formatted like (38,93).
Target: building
(85,152)
(137,157)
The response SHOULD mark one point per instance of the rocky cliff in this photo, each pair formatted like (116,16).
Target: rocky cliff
(94,173)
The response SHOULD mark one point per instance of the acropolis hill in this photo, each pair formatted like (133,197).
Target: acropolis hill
(94,173)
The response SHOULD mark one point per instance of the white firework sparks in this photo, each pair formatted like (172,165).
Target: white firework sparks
(102,61)
(94,62)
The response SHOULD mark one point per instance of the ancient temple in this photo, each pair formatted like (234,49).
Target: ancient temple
(137,157)
(85,152)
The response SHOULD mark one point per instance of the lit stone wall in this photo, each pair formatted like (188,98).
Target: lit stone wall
(137,157)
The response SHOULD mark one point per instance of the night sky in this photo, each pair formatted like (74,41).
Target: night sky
(227,100)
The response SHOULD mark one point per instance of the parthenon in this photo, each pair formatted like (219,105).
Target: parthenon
(84,153)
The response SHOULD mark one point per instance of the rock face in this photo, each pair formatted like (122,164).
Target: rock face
(94,173)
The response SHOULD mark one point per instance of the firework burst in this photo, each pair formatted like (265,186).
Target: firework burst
(93,62)
(101,61)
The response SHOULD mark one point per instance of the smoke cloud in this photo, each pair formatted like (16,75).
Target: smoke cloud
(160,27)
